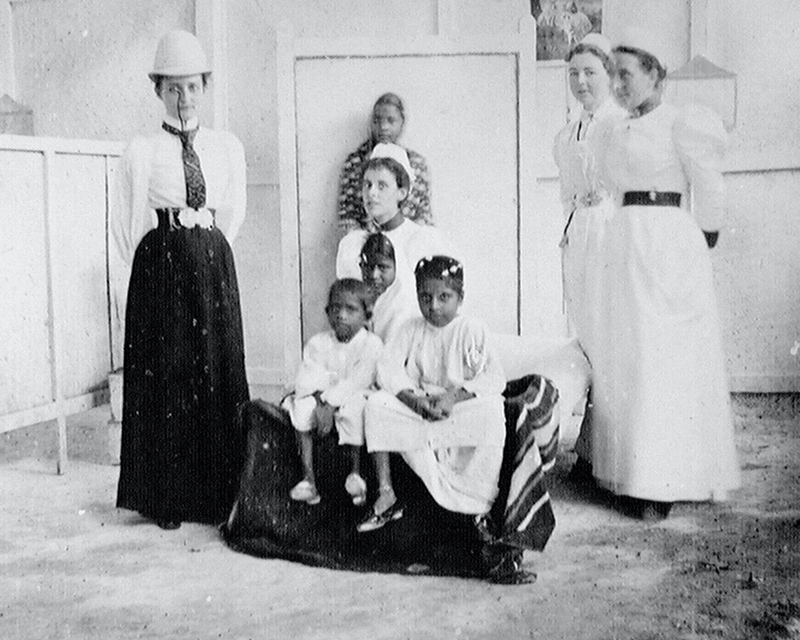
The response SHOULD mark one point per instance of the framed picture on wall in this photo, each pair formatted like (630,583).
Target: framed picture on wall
(560,24)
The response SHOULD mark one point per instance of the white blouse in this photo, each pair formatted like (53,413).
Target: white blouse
(574,155)
(670,149)
(150,176)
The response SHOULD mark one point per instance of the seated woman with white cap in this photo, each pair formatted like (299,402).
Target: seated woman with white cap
(661,421)
(181,202)
(385,186)
(386,127)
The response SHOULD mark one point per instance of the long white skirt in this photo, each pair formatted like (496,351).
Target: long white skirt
(585,267)
(661,419)
(458,459)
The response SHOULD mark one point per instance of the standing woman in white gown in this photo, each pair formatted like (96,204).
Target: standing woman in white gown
(586,202)
(662,430)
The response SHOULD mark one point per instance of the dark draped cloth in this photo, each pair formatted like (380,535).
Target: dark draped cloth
(428,539)
(184,377)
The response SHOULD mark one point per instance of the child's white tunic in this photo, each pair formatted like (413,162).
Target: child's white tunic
(457,458)
(343,372)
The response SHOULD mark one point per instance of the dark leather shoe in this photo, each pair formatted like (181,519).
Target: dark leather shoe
(655,511)
(169,525)
(581,472)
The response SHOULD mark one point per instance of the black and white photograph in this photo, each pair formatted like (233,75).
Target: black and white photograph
(345,319)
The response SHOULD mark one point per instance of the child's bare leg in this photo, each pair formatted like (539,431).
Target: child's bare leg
(355,485)
(386,496)
(306,443)
(355,458)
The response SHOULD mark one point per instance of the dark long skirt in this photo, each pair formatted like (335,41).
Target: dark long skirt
(184,378)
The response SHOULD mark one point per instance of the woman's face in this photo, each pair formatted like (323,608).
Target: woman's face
(633,85)
(438,302)
(182,96)
(381,195)
(588,80)
(387,123)
(378,272)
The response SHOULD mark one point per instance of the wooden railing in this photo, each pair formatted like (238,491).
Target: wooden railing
(56,322)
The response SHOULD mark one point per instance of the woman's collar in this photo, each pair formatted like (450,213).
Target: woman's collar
(194,123)
(647,106)
(392,223)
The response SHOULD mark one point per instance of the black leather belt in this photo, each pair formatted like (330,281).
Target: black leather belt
(651,198)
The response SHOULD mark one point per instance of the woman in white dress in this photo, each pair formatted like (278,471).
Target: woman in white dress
(662,430)
(586,202)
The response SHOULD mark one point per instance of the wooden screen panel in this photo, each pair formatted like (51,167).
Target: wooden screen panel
(24,351)
(462,116)
(80,271)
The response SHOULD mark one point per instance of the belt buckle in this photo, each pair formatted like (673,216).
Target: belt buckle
(190,218)
(653,195)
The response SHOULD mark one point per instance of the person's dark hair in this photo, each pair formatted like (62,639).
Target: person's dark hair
(391,99)
(377,244)
(441,268)
(647,60)
(361,289)
(403,180)
(596,51)
(157,80)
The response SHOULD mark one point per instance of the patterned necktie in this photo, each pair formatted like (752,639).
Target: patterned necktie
(195,183)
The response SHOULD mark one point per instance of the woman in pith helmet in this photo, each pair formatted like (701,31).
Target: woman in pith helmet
(181,202)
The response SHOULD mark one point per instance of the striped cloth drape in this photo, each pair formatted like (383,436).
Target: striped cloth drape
(532,419)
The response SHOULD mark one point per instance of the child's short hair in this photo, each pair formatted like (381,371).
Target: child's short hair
(361,290)
(383,162)
(376,244)
(441,268)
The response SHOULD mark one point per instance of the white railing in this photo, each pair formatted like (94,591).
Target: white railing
(56,324)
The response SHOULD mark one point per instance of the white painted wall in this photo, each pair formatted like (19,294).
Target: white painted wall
(81,65)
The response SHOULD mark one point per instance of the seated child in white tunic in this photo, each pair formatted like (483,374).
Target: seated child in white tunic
(331,387)
(440,403)
(395,301)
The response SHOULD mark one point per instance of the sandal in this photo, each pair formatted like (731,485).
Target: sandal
(306,492)
(357,488)
(375,521)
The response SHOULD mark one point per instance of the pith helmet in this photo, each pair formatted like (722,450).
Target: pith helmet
(179,53)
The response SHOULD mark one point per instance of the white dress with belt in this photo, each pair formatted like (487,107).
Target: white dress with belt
(662,427)
(587,210)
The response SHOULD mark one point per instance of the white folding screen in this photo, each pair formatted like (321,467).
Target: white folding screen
(469,106)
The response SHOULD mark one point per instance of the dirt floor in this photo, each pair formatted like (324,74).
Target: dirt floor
(73,566)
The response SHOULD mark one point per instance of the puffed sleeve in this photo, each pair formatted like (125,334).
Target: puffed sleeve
(483,373)
(131,217)
(701,141)
(235,200)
